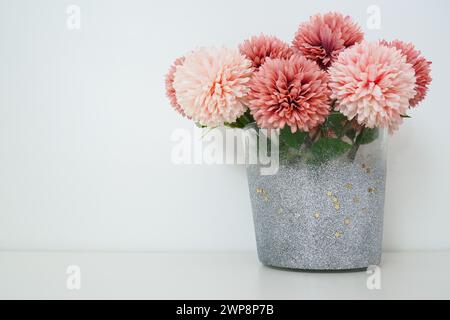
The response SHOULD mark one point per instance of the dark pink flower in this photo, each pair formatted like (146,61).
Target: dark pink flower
(421,67)
(325,36)
(291,92)
(258,48)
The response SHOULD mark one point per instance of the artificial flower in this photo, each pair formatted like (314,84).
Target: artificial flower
(421,68)
(170,90)
(325,36)
(374,84)
(291,92)
(258,48)
(212,85)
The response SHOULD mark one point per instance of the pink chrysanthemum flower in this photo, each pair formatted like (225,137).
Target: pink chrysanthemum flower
(212,85)
(325,36)
(373,83)
(170,90)
(258,48)
(421,67)
(291,92)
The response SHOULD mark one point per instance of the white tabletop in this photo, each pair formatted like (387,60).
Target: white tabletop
(212,276)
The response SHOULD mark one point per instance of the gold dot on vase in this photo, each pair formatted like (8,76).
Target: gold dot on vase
(280,211)
(356,200)
(338,234)
(337,206)
(334,199)
(329,193)
(347,221)
(317,215)
(349,186)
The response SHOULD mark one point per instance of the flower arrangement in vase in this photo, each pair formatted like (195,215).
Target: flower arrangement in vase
(331,96)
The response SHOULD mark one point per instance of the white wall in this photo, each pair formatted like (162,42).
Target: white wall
(85,126)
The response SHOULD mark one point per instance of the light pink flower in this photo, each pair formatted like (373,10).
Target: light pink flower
(291,92)
(421,68)
(373,83)
(325,36)
(170,91)
(258,48)
(212,85)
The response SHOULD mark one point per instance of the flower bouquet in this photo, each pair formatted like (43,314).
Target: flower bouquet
(331,97)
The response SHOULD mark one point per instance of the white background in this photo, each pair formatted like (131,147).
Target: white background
(85,126)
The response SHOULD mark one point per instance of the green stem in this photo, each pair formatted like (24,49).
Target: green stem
(355,148)
(308,142)
(346,127)
(317,135)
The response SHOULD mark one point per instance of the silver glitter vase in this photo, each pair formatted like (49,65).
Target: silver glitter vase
(322,217)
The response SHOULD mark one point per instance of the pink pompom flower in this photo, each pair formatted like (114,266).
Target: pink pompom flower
(421,68)
(170,90)
(258,48)
(212,85)
(374,84)
(324,37)
(291,92)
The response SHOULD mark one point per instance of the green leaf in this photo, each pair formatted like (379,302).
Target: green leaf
(328,148)
(368,135)
(200,125)
(336,122)
(242,121)
(248,117)
(351,134)
(293,140)
(234,125)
